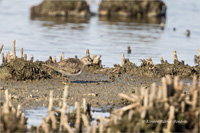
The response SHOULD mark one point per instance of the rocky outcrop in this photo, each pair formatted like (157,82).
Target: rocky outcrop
(132,8)
(78,8)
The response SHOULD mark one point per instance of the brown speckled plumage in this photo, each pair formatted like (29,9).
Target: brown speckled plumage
(71,66)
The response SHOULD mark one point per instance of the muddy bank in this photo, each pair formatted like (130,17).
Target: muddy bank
(20,69)
(30,82)
(65,8)
(148,69)
(132,8)
(96,88)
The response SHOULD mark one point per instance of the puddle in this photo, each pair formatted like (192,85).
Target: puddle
(35,115)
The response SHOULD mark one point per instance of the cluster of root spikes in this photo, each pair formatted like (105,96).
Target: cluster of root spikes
(12,120)
(62,120)
(166,108)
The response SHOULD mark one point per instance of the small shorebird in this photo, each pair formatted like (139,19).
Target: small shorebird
(71,66)
(187,33)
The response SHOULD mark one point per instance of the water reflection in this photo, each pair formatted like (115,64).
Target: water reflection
(35,115)
(152,20)
(62,20)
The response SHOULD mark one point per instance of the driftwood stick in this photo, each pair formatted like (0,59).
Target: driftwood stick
(108,130)
(93,56)
(75,105)
(164,88)
(37,129)
(161,60)
(199,52)
(94,126)
(66,125)
(130,114)
(85,121)
(53,119)
(54,59)
(45,126)
(180,87)
(84,105)
(18,111)
(77,123)
(176,79)
(8,56)
(21,54)
(194,100)
(168,79)
(68,109)
(62,56)
(50,100)
(13,50)
(199,84)
(101,126)
(194,82)
(3,58)
(135,97)
(142,92)
(182,106)
(160,92)
(127,107)
(6,104)
(171,117)
(65,94)
(122,60)
(1,48)
(88,53)
(96,60)
(31,58)
(146,98)
(175,56)
(143,113)
(68,128)
(25,56)
(152,94)
(126,97)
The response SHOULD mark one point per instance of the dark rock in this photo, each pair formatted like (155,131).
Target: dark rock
(78,8)
(121,8)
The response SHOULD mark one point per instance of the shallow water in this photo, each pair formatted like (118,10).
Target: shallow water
(110,38)
(35,115)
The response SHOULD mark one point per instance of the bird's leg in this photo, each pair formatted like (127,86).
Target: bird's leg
(63,82)
(68,81)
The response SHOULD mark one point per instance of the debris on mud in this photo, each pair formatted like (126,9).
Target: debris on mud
(197,58)
(12,120)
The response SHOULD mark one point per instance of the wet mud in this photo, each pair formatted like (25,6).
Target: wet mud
(30,82)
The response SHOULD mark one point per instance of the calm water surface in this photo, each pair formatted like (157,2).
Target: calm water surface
(110,38)
(35,115)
